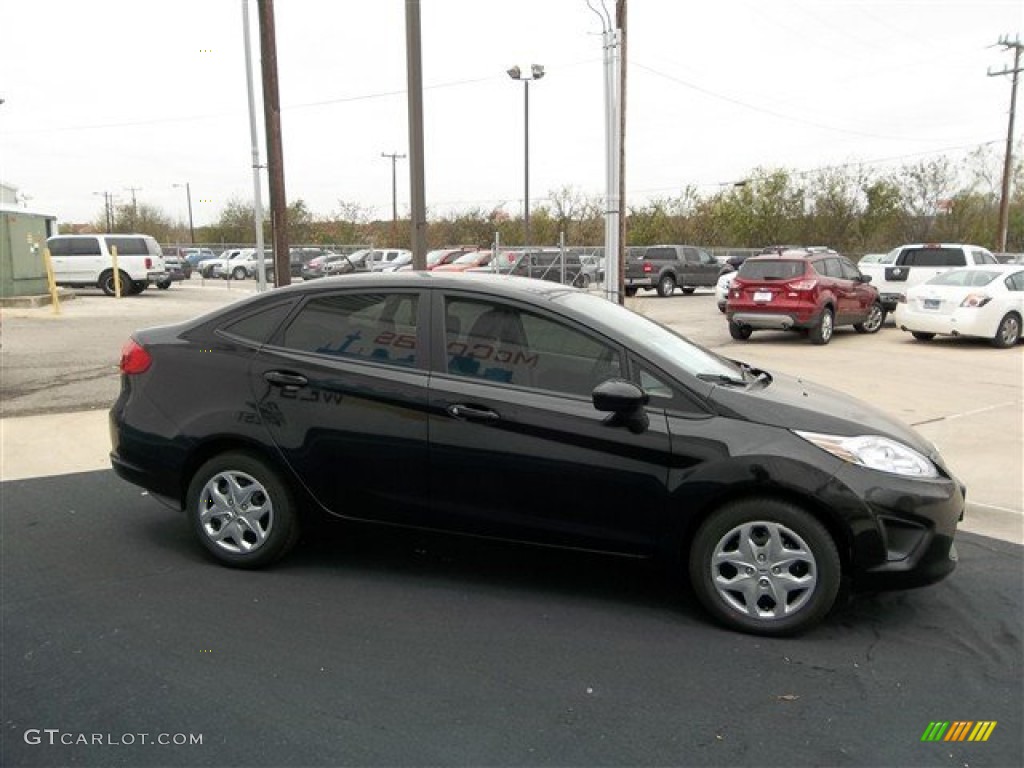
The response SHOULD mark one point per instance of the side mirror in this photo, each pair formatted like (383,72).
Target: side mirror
(865,278)
(625,401)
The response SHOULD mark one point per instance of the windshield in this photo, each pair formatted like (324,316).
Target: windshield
(469,258)
(646,335)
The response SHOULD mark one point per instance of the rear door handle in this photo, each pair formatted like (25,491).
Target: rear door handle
(472,413)
(282,379)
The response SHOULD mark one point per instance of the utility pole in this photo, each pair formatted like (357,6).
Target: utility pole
(135,207)
(395,157)
(275,152)
(414,78)
(620,21)
(1004,199)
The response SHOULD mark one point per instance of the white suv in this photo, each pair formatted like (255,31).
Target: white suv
(85,261)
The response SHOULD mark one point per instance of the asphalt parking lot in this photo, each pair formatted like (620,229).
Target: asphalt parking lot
(381,647)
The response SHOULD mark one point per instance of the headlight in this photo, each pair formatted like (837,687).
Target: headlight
(874,452)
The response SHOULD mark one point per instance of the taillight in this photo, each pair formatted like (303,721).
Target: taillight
(976,300)
(149,263)
(803,285)
(648,267)
(134,358)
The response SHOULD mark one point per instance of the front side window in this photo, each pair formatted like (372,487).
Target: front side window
(504,344)
(850,271)
(375,327)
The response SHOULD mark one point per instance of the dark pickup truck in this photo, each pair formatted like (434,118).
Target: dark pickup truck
(665,267)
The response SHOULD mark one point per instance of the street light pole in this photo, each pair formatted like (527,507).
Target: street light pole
(188,196)
(536,73)
(395,157)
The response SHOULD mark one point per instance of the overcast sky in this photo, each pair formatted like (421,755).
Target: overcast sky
(107,95)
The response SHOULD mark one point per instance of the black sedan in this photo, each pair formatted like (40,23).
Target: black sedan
(526,410)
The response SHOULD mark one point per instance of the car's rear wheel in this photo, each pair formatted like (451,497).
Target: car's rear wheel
(1008,332)
(241,510)
(821,332)
(138,286)
(688,289)
(107,283)
(873,322)
(666,286)
(631,291)
(765,566)
(922,335)
(163,285)
(238,273)
(739,331)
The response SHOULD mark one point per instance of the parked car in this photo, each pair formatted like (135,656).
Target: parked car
(380,259)
(665,267)
(877,258)
(206,266)
(329,263)
(984,302)
(812,290)
(300,257)
(195,256)
(914,264)
(234,264)
(722,289)
(468,260)
(531,413)
(177,270)
(86,261)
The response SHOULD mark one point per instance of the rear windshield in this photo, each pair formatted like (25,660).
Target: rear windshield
(965,277)
(934,257)
(753,269)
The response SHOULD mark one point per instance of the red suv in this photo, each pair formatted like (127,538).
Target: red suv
(803,289)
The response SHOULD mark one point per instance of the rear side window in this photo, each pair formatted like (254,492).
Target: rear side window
(259,326)
(59,247)
(377,327)
(129,246)
(983,257)
(773,269)
(934,257)
(660,254)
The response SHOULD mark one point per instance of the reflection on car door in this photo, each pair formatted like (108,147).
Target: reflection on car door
(517,446)
(342,390)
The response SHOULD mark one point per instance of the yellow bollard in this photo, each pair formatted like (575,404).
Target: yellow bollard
(51,281)
(117,272)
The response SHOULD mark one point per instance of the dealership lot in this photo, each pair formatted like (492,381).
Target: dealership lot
(379,647)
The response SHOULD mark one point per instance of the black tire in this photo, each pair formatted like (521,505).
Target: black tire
(922,336)
(743,589)
(107,283)
(666,286)
(873,322)
(740,332)
(1008,332)
(688,289)
(163,286)
(238,273)
(821,332)
(631,291)
(220,503)
(138,286)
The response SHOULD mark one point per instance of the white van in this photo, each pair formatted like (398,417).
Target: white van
(86,261)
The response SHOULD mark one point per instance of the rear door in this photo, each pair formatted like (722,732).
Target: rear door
(342,391)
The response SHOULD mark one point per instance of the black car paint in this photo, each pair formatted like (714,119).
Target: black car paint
(557,470)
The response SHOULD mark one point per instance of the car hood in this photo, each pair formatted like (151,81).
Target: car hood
(796,404)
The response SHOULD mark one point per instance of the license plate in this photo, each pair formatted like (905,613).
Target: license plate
(762,295)
(932,303)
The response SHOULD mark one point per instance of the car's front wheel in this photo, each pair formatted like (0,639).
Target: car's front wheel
(238,273)
(241,511)
(873,322)
(1008,332)
(765,566)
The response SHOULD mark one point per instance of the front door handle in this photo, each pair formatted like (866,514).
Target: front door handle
(472,413)
(288,380)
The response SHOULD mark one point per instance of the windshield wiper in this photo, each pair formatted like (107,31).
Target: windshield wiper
(721,378)
(756,373)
